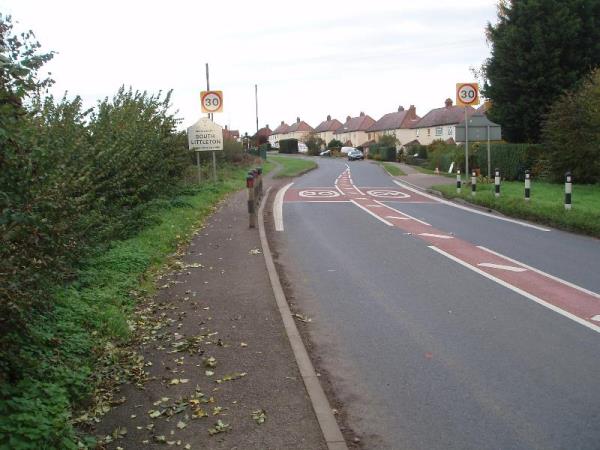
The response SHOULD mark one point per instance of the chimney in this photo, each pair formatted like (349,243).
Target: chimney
(400,108)
(297,119)
(226,127)
(412,112)
(282,122)
(328,118)
(267,127)
(448,102)
(348,118)
(362,114)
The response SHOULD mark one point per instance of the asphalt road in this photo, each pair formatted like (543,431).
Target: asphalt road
(425,352)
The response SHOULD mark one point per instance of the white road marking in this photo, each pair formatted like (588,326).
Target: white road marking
(376,206)
(404,214)
(465,208)
(552,277)
(372,213)
(503,267)
(441,236)
(397,217)
(596,318)
(525,294)
(278,207)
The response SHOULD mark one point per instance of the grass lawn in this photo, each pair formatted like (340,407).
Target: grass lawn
(292,167)
(392,169)
(546,205)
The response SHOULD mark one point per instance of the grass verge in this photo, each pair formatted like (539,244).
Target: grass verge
(292,167)
(546,205)
(392,169)
(432,172)
(71,348)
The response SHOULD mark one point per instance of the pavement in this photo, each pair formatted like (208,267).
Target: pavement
(215,302)
(422,180)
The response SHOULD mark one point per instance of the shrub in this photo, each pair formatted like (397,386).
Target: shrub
(334,143)
(314,144)
(380,152)
(571,132)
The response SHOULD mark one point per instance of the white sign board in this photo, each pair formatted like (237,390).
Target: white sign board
(205,136)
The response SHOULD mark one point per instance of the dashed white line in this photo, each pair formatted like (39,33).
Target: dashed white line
(372,213)
(502,267)
(440,236)
(552,277)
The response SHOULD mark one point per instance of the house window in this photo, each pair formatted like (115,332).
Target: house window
(439,131)
(449,131)
(428,131)
(418,132)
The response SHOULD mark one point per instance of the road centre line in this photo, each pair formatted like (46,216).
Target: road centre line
(440,236)
(372,213)
(397,217)
(278,207)
(465,208)
(533,269)
(518,290)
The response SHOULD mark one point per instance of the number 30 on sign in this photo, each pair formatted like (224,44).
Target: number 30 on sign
(467,94)
(212,101)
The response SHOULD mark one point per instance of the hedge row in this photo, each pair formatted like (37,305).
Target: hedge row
(288,146)
(382,153)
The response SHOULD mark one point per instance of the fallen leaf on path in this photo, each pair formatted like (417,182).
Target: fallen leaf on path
(255,251)
(302,318)
(231,377)
(220,427)
(259,416)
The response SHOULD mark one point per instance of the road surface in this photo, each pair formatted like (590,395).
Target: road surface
(442,328)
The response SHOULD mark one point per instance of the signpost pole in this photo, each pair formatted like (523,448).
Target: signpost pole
(214,167)
(488,151)
(466,143)
(199,168)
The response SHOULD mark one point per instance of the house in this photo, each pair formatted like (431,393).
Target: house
(439,123)
(326,129)
(354,131)
(232,135)
(299,130)
(398,124)
(262,135)
(278,134)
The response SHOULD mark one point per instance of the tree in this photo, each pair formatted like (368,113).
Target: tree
(539,49)
(571,132)
(388,140)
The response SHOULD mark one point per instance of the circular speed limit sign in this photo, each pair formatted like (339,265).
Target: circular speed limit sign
(467,94)
(212,101)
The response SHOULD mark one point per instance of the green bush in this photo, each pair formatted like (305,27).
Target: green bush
(380,152)
(334,143)
(511,159)
(288,146)
(314,144)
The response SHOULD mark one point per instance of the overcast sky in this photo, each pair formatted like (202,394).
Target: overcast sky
(309,58)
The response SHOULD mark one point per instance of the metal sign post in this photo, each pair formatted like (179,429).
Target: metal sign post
(205,136)
(467,94)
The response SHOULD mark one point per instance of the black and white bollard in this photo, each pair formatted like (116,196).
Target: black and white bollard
(473,183)
(251,199)
(527,185)
(568,189)
(497,182)
(458,181)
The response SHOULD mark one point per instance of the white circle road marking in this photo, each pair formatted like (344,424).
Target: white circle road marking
(319,194)
(387,193)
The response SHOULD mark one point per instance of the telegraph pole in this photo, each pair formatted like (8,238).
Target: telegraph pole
(256,102)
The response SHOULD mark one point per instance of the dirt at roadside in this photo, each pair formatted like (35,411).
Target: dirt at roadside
(221,371)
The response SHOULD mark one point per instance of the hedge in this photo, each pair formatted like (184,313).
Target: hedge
(382,153)
(288,146)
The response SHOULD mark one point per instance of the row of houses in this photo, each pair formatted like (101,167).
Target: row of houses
(361,131)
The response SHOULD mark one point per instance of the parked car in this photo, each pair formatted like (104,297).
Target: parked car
(345,150)
(325,153)
(355,154)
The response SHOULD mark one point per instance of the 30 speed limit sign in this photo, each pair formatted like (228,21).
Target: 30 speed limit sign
(212,101)
(467,94)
